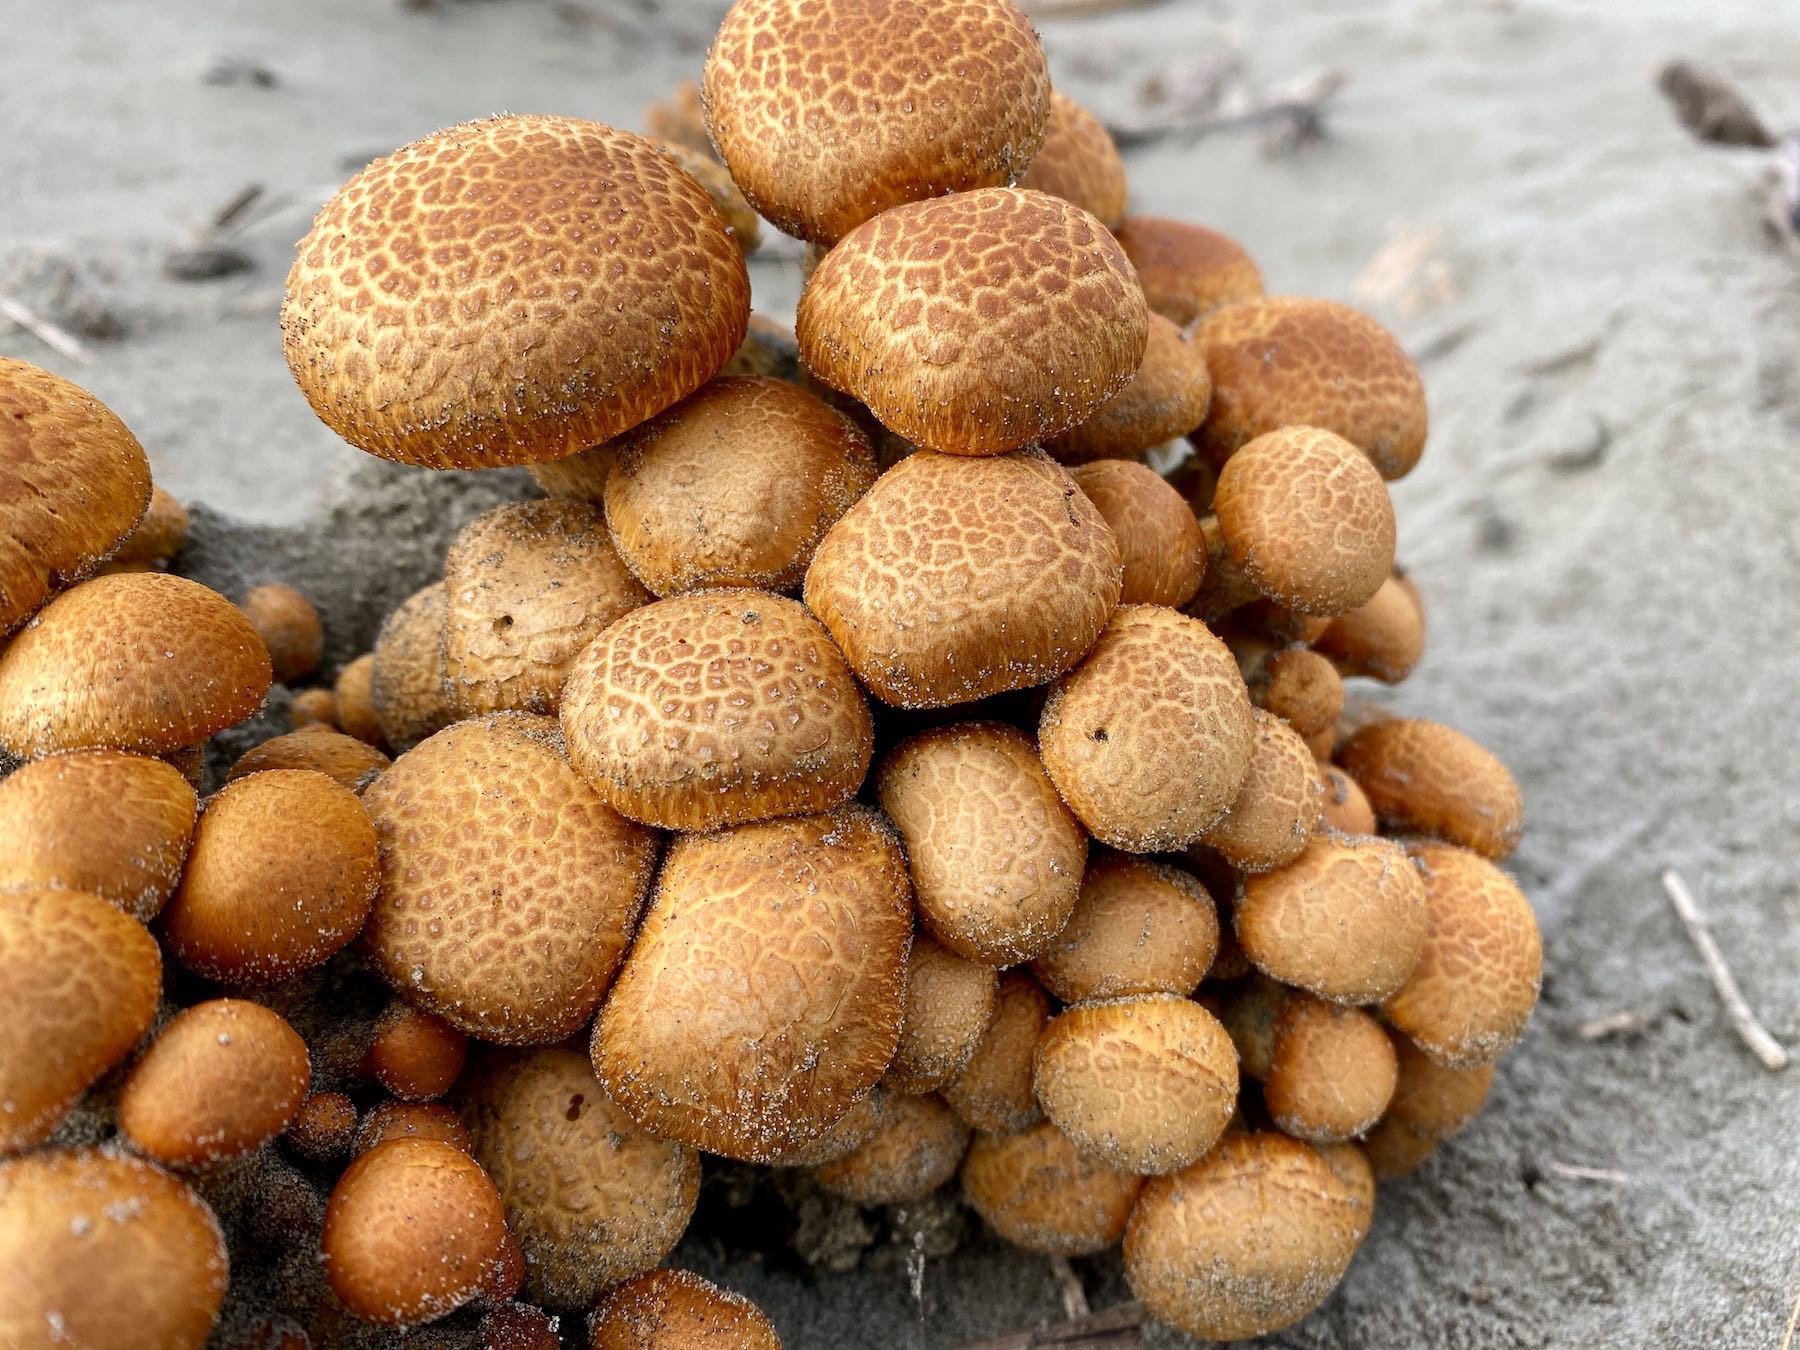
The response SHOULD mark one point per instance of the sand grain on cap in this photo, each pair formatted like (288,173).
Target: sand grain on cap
(679,1310)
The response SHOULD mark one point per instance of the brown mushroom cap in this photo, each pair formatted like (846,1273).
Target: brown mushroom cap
(1249,1009)
(894,579)
(852,1130)
(1288,361)
(1038,1191)
(1149,738)
(1382,639)
(414,1230)
(104,1250)
(977,323)
(529,584)
(323,1129)
(313,707)
(591,1197)
(1146,1083)
(1477,979)
(807,922)
(915,1149)
(159,536)
(282,875)
(415,1055)
(345,760)
(995,856)
(1140,927)
(734,486)
(1346,808)
(112,824)
(413,1120)
(717,708)
(949,1003)
(1247,1241)
(678,117)
(223,1078)
(1079,162)
(82,980)
(1331,1073)
(73,483)
(1300,687)
(1430,1104)
(289,627)
(1187,271)
(413,320)
(743,224)
(1307,517)
(1431,778)
(408,684)
(354,693)
(679,1310)
(140,661)
(830,114)
(505,940)
(993,1092)
(1276,809)
(1345,920)
(1166,398)
(1161,545)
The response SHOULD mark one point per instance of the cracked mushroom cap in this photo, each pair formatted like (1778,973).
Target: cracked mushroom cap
(1187,271)
(977,323)
(1166,398)
(511,291)
(916,1148)
(140,661)
(1161,545)
(1428,778)
(679,1310)
(954,578)
(949,1003)
(1382,639)
(1331,1070)
(1079,162)
(1300,687)
(1039,1192)
(1276,809)
(74,482)
(1140,927)
(828,114)
(408,684)
(993,1092)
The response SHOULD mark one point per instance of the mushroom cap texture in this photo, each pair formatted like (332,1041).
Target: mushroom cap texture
(679,1310)
(1430,1104)
(957,578)
(993,1092)
(1038,1191)
(1187,271)
(717,708)
(1140,926)
(916,1148)
(1277,808)
(830,113)
(1292,361)
(949,1003)
(141,661)
(1166,398)
(82,980)
(803,926)
(107,1251)
(343,759)
(1427,777)
(408,683)
(508,886)
(977,323)
(1162,548)
(1079,162)
(510,291)
(73,483)
(354,693)
(1331,1070)
(1382,639)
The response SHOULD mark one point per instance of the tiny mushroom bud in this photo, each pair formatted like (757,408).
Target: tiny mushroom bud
(289,627)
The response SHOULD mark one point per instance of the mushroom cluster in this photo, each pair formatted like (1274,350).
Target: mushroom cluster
(906,751)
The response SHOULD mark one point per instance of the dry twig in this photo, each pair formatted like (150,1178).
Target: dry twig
(1068,1284)
(1574,1172)
(1622,1023)
(1787,1341)
(58,339)
(1710,107)
(1752,1032)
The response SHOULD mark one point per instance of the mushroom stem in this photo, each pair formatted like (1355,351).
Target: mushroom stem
(1068,1284)
(1752,1032)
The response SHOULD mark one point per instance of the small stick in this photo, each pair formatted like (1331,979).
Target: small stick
(1764,1046)
(1572,1172)
(1068,1283)
(1787,1341)
(1116,1326)
(1621,1023)
(47,333)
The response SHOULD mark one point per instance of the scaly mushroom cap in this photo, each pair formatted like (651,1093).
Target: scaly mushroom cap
(142,662)
(809,921)
(993,1092)
(1188,271)
(1346,807)
(679,1310)
(1289,361)
(1168,397)
(101,1249)
(745,225)
(511,291)
(1430,778)
(1161,545)
(896,578)
(1140,927)
(1276,809)
(159,536)
(408,683)
(916,1149)
(1430,1104)
(354,694)
(949,1003)
(977,323)
(1038,1191)
(830,113)
(343,759)
(1079,162)
(73,483)
(1331,1070)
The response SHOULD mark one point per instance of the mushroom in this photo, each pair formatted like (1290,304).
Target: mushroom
(678,1310)
(1430,1103)
(915,1149)
(354,695)
(1381,639)
(1187,271)
(1331,1070)
(1079,162)
(1140,927)
(408,683)
(1038,1191)
(949,1003)
(994,1092)
(416,1056)
(1161,545)
(1426,777)
(1166,398)
(158,537)
(345,760)
(289,627)
(1277,807)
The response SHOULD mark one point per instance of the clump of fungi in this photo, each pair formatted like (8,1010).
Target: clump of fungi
(879,756)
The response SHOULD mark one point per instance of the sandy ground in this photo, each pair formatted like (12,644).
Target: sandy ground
(1603,525)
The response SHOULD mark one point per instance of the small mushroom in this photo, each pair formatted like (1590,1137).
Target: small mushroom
(1079,162)
(1038,1191)
(1426,777)
(354,695)
(1187,271)
(159,536)
(1161,545)
(415,1056)
(994,1092)
(1331,1071)
(1277,807)
(408,683)
(1381,639)
(679,1310)
(949,1004)
(1140,927)
(345,760)
(915,1149)
(1430,1103)
(1166,398)
(289,627)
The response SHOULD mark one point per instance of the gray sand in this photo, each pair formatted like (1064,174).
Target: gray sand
(1619,622)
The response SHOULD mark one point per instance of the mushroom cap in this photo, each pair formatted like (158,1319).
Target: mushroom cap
(994,1092)
(141,661)
(743,222)
(505,941)
(1039,1192)
(1249,1009)
(102,1249)
(1309,520)
(1248,1240)
(678,117)
(1346,807)
(1149,738)
(1079,162)
(818,986)
(829,114)
(323,1129)
(1277,808)
(1477,979)
(852,1129)
(717,708)
(414,1230)
(1289,361)
(222,1078)
(1166,398)
(1301,688)
(1346,920)
(408,683)
(953,579)
(1381,639)
(679,1310)
(949,1003)
(343,759)
(734,486)
(1430,1103)
(1430,778)
(159,536)
(1331,1073)
(1161,545)
(82,980)
(510,291)
(354,693)
(413,1120)
(529,584)
(112,824)
(415,1055)
(916,1149)
(73,483)
(313,708)
(995,856)
(1139,927)
(1146,1083)
(977,323)
(1187,271)
(289,627)
(591,1197)
(281,877)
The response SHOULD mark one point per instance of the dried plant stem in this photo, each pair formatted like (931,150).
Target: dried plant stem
(1752,1032)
